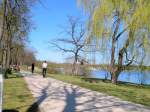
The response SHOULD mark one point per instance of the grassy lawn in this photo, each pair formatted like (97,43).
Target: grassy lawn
(17,97)
(133,93)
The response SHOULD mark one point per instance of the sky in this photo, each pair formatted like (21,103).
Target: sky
(47,18)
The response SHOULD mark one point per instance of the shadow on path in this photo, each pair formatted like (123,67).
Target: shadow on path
(35,106)
(70,100)
(10,110)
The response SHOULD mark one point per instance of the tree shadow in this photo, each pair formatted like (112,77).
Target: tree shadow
(35,106)
(70,100)
(10,110)
(96,102)
(79,99)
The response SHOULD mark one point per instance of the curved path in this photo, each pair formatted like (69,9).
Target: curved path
(56,96)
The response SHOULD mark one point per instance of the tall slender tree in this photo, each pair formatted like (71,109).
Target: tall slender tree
(15,25)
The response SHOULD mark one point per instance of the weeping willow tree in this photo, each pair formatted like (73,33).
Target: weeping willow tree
(124,21)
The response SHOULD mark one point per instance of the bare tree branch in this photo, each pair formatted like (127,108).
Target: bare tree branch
(130,61)
(124,30)
(63,49)
(76,39)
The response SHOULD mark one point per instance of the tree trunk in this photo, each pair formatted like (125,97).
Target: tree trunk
(74,67)
(3,21)
(74,64)
(114,78)
(2,41)
(112,65)
(118,68)
(4,59)
(4,67)
(8,58)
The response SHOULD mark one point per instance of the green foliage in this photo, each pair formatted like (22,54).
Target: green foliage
(15,20)
(8,71)
(134,16)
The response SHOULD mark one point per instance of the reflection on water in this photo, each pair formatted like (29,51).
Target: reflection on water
(125,76)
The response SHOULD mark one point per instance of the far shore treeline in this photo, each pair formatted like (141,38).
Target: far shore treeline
(95,66)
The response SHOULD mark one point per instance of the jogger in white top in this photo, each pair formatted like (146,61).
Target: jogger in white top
(44,67)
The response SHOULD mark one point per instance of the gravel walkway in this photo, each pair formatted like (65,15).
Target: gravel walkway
(56,96)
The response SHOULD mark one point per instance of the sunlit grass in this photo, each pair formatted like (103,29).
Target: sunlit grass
(16,95)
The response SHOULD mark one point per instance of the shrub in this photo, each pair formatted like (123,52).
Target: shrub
(52,70)
(6,72)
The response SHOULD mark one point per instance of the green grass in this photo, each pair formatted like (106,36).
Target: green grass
(16,94)
(133,93)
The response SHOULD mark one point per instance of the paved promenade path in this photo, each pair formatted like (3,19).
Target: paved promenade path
(56,96)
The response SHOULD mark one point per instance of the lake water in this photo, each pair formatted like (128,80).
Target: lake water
(125,76)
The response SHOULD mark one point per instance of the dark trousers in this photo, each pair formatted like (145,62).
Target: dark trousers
(32,70)
(44,72)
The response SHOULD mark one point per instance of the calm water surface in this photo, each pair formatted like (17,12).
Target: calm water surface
(125,76)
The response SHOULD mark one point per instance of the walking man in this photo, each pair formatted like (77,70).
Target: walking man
(32,68)
(44,67)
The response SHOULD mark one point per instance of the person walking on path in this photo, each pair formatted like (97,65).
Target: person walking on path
(32,68)
(44,67)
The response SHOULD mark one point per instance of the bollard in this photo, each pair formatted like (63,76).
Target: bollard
(1,91)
